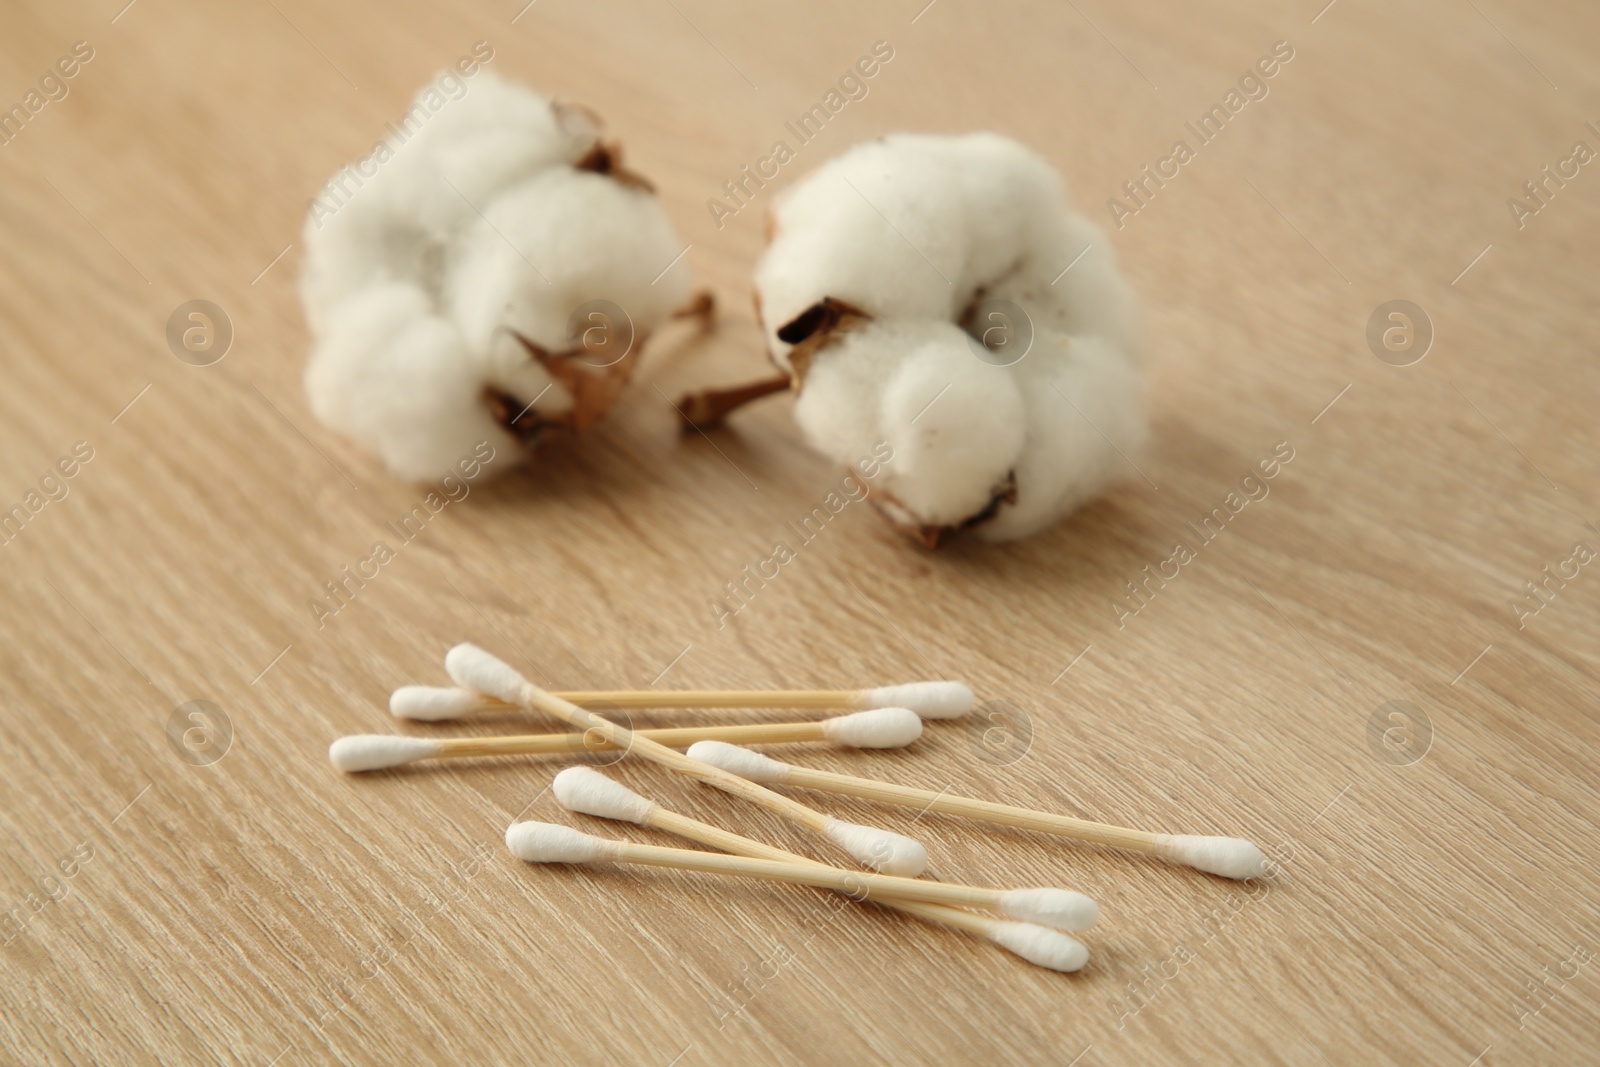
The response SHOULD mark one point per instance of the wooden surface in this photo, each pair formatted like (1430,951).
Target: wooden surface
(263,908)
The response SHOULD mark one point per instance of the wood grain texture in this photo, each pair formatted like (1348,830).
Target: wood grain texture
(265,909)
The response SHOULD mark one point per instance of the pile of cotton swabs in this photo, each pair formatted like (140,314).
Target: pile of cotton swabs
(1026,921)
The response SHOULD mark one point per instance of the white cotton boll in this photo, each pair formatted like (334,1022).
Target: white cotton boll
(903,227)
(543,842)
(879,728)
(839,409)
(392,376)
(881,850)
(1068,282)
(920,234)
(586,790)
(740,761)
(482,208)
(1084,421)
(957,425)
(494,135)
(554,242)
(372,752)
(377,232)
(361,248)
(1060,909)
(832,239)
(389,216)
(1040,945)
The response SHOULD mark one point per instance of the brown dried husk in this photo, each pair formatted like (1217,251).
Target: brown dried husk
(593,390)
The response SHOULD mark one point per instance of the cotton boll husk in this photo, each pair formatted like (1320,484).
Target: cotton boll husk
(391,375)
(1064,460)
(956,423)
(553,242)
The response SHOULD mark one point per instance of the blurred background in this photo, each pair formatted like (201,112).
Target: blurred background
(1373,672)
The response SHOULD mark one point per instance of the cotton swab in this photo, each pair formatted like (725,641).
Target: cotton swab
(586,790)
(1230,857)
(472,668)
(1062,909)
(931,700)
(882,728)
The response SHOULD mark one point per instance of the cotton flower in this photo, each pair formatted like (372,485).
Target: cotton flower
(442,291)
(886,268)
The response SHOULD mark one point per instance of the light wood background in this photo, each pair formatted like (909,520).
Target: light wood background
(265,909)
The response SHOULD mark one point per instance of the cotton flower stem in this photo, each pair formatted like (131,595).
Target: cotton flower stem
(702,307)
(708,407)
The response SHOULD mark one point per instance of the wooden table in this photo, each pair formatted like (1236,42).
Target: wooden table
(1435,896)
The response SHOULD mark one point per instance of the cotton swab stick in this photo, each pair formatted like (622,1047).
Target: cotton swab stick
(472,668)
(586,790)
(931,700)
(1231,857)
(1063,909)
(882,728)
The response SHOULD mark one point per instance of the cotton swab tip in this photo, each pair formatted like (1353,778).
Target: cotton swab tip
(431,703)
(879,728)
(1231,857)
(1060,909)
(931,700)
(741,761)
(586,790)
(471,667)
(1040,945)
(879,849)
(543,842)
(373,752)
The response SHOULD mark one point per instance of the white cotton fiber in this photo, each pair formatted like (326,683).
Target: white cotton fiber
(1084,417)
(1230,857)
(956,423)
(1040,945)
(431,703)
(740,761)
(907,226)
(560,239)
(586,790)
(543,842)
(957,427)
(396,223)
(931,700)
(372,752)
(1060,909)
(387,371)
(881,850)
(879,728)
(476,224)
(471,667)
(921,234)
